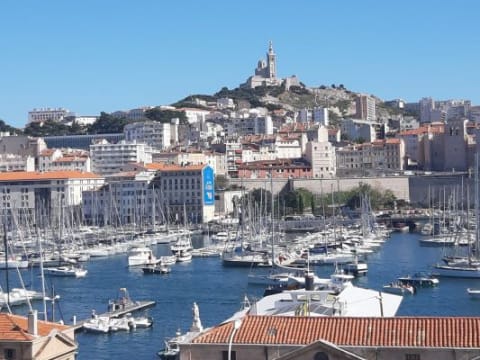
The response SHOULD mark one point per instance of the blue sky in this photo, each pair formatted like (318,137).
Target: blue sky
(100,55)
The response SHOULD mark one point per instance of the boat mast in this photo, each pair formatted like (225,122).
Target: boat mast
(476,208)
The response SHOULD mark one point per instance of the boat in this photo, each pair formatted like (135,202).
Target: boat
(184,255)
(66,271)
(168,259)
(356,267)
(141,255)
(97,324)
(171,351)
(419,280)
(399,288)
(156,269)
(470,271)
(475,293)
(142,322)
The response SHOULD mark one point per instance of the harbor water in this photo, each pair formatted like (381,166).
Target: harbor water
(219,292)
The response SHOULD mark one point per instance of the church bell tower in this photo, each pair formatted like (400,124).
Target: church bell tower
(271,63)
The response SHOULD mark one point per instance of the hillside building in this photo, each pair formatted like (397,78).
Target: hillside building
(108,158)
(153,133)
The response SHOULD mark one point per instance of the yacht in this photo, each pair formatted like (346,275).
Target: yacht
(66,271)
(141,255)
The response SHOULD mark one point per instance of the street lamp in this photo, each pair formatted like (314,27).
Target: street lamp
(236,325)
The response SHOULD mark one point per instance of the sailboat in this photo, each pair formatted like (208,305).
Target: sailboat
(468,267)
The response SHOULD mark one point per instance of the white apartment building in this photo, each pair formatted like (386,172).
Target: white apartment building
(133,114)
(64,159)
(427,105)
(12,162)
(320,115)
(152,133)
(40,194)
(45,114)
(108,158)
(356,129)
(126,198)
(250,126)
(194,115)
(225,103)
(286,147)
(366,108)
(321,156)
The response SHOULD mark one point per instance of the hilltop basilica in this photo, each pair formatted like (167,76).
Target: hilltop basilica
(266,73)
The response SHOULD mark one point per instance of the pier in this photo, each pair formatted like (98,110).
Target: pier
(118,312)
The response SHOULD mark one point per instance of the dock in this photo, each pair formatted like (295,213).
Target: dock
(136,306)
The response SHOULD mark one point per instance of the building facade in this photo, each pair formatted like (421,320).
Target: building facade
(45,114)
(321,156)
(108,158)
(152,133)
(40,195)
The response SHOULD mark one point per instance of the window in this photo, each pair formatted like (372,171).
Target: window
(412,356)
(232,357)
(9,354)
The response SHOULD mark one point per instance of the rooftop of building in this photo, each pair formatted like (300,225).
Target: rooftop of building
(15,328)
(431,332)
(47,175)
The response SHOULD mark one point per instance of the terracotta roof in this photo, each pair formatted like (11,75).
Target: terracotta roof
(70,159)
(48,175)
(392,141)
(47,152)
(457,332)
(15,328)
(174,167)
(154,166)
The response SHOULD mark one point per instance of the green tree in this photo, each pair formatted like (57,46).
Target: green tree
(107,123)
(4,128)
(166,116)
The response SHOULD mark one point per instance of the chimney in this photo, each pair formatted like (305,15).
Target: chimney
(33,323)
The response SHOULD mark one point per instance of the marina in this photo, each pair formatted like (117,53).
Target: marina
(220,290)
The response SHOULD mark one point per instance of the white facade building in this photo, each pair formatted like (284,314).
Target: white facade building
(43,192)
(12,162)
(108,158)
(320,115)
(321,156)
(45,114)
(153,133)
(250,126)
(366,108)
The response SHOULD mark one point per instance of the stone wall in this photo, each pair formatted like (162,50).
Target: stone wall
(418,190)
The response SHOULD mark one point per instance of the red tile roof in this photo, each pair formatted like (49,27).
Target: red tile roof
(48,175)
(458,332)
(174,167)
(15,328)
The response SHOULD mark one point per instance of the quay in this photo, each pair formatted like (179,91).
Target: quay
(120,311)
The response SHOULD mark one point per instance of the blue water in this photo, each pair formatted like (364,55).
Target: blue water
(219,292)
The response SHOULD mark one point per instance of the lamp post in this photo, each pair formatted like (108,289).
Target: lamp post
(236,325)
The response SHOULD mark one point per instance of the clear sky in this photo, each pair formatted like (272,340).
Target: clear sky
(99,55)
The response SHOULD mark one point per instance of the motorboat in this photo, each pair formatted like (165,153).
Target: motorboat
(66,271)
(156,269)
(141,255)
(399,288)
(168,259)
(141,322)
(184,256)
(171,350)
(419,280)
(97,324)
